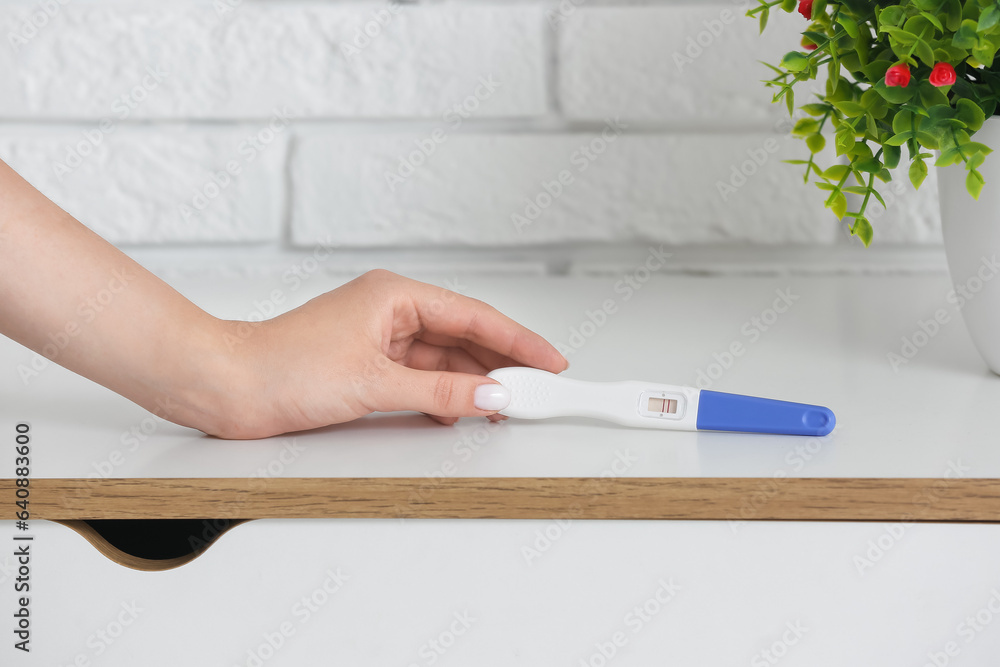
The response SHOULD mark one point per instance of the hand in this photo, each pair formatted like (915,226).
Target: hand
(380,343)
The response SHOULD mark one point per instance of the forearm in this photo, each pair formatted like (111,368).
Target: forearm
(71,296)
(379,343)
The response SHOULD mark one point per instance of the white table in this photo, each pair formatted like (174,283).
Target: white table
(551,590)
(830,348)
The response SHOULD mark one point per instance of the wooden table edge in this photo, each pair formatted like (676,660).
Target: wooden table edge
(677,498)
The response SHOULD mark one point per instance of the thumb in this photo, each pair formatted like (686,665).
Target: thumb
(443,393)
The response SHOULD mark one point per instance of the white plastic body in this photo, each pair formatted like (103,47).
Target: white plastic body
(537,394)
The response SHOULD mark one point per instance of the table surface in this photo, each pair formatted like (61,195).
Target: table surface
(930,417)
(914,440)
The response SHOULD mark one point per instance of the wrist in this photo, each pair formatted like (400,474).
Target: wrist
(210,384)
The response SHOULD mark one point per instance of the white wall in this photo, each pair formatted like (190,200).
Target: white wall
(163,97)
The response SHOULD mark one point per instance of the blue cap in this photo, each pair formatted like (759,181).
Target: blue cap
(732,412)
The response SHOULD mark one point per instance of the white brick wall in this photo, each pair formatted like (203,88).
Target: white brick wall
(674,64)
(159,185)
(162,97)
(525,189)
(312,58)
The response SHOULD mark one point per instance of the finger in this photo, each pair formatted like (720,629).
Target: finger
(426,357)
(450,421)
(433,357)
(441,393)
(489,359)
(445,312)
(422,356)
(447,421)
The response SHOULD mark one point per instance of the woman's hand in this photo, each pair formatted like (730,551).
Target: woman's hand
(380,343)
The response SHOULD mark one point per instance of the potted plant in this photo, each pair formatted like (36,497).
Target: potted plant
(915,76)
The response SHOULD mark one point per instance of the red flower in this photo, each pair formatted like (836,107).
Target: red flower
(806,8)
(943,74)
(807,45)
(897,75)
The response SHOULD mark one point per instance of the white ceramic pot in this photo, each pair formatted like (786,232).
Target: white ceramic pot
(971,231)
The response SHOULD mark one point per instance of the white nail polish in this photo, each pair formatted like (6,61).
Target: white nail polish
(492,397)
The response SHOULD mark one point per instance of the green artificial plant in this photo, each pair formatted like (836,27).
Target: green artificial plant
(917,73)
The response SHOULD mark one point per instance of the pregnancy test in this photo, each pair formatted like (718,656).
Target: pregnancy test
(538,394)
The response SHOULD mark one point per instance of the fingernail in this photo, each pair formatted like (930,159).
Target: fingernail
(491,397)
